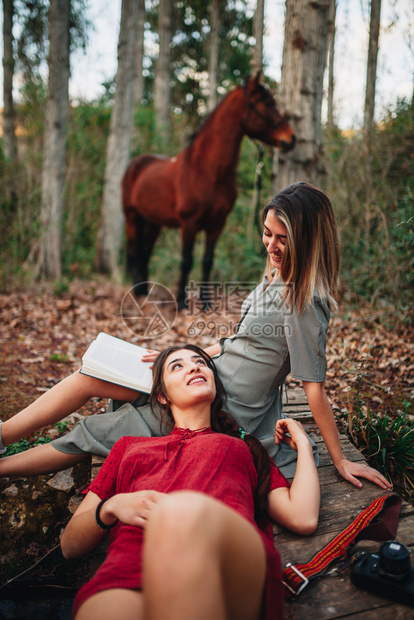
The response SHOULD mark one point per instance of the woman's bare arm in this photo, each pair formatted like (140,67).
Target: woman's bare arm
(324,418)
(297,507)
(64,398)
(82,534)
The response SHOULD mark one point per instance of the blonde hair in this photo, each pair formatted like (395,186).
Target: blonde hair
(310,262)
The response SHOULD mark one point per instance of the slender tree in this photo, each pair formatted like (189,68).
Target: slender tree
(10,148)
(139,80)
(119,142)
(374,29)
(257,59)
(331,58)
(162,91)
(301,89)
(213,52)
(54,145)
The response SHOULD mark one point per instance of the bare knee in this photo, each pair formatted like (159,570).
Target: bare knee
(87,386)
(179,541)
(183,513)
(181,528)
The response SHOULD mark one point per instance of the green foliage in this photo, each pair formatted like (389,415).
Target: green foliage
(62,426)
(24,444)
(59,357)
(61,287)
(189,51)
(371,185)
(32,42)
(87,138)
(18,446)
(381,428)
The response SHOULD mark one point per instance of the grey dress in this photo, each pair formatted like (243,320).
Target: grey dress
(271,341)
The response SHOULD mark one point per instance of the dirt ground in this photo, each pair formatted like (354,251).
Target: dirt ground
(43,338)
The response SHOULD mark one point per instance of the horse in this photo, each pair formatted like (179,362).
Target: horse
(196,189)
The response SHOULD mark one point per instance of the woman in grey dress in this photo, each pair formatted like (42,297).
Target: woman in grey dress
(282,331)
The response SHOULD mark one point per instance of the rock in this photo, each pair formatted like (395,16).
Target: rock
(11,491)
(74,502)
(63,481)
(53,433)
(33,514)
(18,519)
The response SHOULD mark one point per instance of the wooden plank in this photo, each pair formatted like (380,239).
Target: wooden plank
(388,612)
(301,416)
(300,408)
(294,396)
(336,597)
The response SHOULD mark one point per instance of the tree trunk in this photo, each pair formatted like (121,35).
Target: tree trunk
(213,52)
(257,59)
(9,135)
(139,80)
(119,142)
(301,90)
(372,66)
(331,57)
(162,70)
(54,143)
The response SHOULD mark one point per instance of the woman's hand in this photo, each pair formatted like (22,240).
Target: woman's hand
(348,470)
(131,508)
(296,434)
(150,356)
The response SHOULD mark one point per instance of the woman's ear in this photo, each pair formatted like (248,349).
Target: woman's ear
(161,399)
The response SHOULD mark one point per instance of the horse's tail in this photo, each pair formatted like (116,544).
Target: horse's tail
(134,168)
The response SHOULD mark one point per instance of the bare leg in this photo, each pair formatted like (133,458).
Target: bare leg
(42,459)
(58,402)
(201,560)
(116,603)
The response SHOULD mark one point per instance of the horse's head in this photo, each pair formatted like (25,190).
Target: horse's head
(262,119)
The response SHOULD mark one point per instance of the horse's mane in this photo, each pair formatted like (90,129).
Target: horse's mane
(266,97)
(208,119)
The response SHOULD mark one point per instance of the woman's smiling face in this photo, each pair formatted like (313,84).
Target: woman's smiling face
(188,380)
(274,238)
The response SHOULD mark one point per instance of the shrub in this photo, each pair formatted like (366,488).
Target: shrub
(382,429)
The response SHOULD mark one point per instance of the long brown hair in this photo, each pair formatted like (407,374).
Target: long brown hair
(311,258)
(221,422)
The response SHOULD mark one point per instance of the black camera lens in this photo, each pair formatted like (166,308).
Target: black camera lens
(394,560)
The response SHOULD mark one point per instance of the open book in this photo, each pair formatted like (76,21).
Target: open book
(117,361)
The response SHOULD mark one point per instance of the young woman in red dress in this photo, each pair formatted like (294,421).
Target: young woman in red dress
(190,512)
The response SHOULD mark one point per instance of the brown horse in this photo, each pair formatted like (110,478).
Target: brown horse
(196,190)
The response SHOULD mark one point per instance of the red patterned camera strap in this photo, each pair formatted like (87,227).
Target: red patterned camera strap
(377,522)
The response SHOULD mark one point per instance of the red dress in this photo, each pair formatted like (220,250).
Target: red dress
(204,461)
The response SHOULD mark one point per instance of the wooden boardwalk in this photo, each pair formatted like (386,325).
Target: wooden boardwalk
(335,596)
(332,597)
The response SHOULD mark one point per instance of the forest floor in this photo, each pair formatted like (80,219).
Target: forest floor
(43,337)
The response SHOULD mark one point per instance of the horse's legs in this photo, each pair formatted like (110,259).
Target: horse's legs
(146,237)
(211,240)
(188,238)
(187,263)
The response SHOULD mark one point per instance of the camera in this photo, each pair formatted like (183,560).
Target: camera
(387,573)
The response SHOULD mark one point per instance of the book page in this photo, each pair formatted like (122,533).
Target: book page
(118,361)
